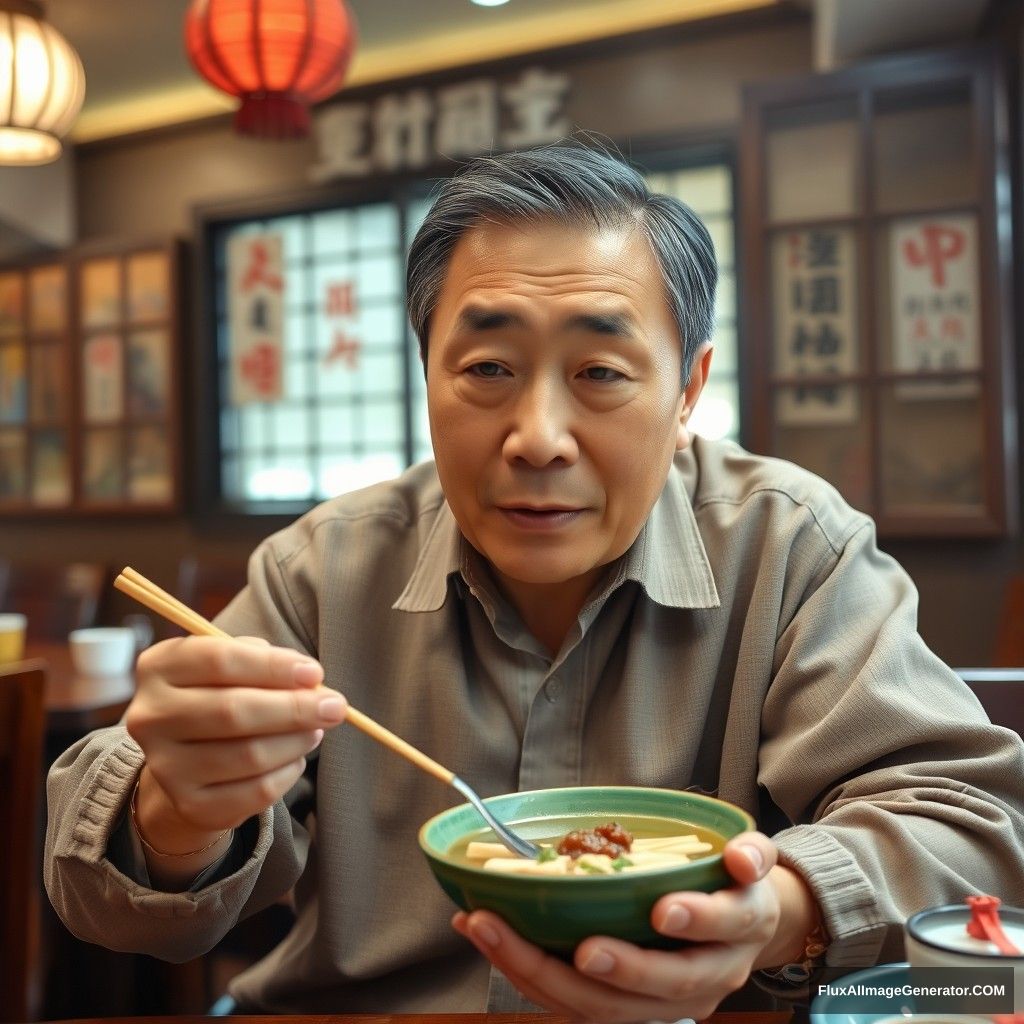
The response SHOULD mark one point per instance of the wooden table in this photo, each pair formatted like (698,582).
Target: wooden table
(413,1018)
(76,703)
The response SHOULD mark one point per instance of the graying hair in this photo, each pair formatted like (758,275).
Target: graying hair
(578,185)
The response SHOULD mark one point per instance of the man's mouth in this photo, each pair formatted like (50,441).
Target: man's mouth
(540,517)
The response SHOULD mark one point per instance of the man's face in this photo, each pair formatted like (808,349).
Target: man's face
(553,387)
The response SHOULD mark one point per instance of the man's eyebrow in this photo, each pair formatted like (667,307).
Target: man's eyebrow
(476,318)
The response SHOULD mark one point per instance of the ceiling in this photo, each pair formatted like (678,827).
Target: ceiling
(137,74)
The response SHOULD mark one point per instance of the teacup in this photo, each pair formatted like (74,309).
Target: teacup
(938,937)
(103,651)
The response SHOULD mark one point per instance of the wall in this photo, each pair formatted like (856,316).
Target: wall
(687,81)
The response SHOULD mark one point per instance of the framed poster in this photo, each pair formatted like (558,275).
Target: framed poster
(51,468)
(148,373)
(100,284)
(815,321)
(48,299)
(149,466)
(935,302)
(12,304)
(103,468)
(13,384)
(12,465)
(102,379)
(149,286)
(48,383)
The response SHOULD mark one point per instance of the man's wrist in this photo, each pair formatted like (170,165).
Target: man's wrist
(799,916)
(159,825)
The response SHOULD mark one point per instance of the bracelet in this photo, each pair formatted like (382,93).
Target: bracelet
(799,973)
(160,853)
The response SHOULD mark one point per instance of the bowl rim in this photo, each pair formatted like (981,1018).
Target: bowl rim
(653,872)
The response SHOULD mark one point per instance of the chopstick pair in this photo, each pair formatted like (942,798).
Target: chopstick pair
(135,585)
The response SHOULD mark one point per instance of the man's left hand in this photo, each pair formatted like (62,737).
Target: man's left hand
(615,982)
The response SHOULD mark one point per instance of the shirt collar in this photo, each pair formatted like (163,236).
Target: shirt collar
(667,559)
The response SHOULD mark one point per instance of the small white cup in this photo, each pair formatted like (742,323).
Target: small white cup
(938,937)
(103,651)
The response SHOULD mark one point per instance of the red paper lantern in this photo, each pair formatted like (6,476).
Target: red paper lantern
(278,56)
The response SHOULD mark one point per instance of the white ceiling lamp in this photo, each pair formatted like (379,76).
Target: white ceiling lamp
(489,3)
(42,85)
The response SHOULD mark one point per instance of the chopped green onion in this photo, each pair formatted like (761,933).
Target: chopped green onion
(621,862)
(546,853)
(591,869)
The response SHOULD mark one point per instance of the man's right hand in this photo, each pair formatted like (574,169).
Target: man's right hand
(225,725)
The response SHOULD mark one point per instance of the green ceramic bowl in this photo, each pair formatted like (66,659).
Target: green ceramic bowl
(558,913)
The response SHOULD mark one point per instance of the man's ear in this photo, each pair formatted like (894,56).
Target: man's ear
(699,370)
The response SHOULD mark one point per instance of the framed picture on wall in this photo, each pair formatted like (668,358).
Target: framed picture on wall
(13,384)
(103,469)
(12,301)
(149,286)
(12,466)
(48,300)
(148,373)
(100,283)
(102,379)
(51,468)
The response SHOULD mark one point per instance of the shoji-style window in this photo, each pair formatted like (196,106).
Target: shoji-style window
(346,399)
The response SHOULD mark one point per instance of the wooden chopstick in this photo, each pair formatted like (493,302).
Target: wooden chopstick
(135,585)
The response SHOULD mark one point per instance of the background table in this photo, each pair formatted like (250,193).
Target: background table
(416,1018)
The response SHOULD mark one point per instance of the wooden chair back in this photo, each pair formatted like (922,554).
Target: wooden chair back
(1001,692)
(208,587)
(22,724)
(56,599)
(1010,638)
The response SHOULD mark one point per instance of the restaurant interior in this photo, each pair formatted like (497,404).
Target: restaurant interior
(203,329)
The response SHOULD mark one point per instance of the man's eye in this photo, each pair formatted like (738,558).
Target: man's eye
(603,374)
(487,369)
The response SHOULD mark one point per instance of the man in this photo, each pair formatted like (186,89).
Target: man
(578,592)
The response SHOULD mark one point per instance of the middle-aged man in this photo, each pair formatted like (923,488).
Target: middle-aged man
(576,592)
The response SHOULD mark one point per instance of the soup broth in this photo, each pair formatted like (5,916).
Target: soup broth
(548,832)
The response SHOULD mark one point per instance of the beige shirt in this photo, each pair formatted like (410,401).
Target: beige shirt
(753,643)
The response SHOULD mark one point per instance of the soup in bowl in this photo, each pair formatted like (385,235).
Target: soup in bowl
(676,841)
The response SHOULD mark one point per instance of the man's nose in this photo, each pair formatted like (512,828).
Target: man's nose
(542,428)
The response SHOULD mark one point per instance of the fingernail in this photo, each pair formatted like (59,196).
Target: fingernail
(317,737)
(307,673)
(754,856)
(599,962)
(485,933)
(332,708)
(677,919)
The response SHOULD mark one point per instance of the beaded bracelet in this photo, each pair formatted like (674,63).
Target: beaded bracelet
(160,853)
(799,973)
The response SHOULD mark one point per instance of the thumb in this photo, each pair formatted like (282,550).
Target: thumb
(749,856)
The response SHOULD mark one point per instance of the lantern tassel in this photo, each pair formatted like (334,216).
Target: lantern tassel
(272,115)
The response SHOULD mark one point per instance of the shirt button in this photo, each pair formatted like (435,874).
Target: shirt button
(553,689)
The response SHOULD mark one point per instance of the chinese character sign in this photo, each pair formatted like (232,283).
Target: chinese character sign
(340,310)
(815,324)
(935,324)
(407,131)
(255,317)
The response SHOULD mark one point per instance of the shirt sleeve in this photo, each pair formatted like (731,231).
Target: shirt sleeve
(899,792)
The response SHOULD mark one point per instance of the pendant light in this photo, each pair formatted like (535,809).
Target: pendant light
(277,56)
(42,85)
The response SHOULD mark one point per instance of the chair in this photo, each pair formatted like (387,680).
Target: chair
(22,724)
(208,587)
(56,599)
(1010,638)
(1001,692)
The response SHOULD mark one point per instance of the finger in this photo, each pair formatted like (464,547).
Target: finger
(460,922)
(212,761)
(255,640)
(552,979)
(225,713)
(692,980)
(736,915)
(215,661)
(229,804)
(749,856)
